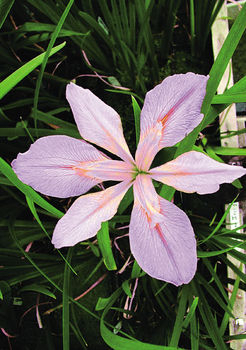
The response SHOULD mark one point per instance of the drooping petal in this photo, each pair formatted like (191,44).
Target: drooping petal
(166,249)
(196,172)
(145,194)
(84,218)
(97,122)
(54,165)
(175,104)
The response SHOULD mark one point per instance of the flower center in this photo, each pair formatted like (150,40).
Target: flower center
(137,172)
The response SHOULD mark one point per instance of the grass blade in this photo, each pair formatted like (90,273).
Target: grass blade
(5,7)
(46,55)
(136,111)
(178,326)
(117,342)
(105,247)
(192,27)
(226,317)
(216,74)
(7,84)
(223,59)
(28,191)
(208,318)
(65,302)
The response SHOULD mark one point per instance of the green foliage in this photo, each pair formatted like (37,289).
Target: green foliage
(123,30)
(130,41)
(105,247)
(12,80)
(5,7)
(202,16)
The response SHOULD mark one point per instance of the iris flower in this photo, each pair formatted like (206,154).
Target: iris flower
(161,237)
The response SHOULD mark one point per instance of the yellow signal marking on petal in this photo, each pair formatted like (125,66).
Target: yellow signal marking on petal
(151,211)
(82,168)
(164,119)
(79,171)
(160,233)
(150,207)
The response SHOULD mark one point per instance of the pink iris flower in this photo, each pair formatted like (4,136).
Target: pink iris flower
(161,237)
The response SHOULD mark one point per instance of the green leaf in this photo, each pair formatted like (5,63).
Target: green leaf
(136,270)
(46,56)
(191,313)
(237,271)
(229,151)
(4,289)
(28,191)
(126,201)
(222,99)
(136,111)
(222,220)
(201,254)
(7,84)
(105,247)
(226,317)
(47,27)
(212,291)
(65,302)
(5,7)
(215,277)
(194,333)
(35,214)
(39,289)
(102,303)
(117,342)
(97,27)
(223,59)
(178,326)
(126,288)
(208,317)
(216,74)
(28,257)
(48,118)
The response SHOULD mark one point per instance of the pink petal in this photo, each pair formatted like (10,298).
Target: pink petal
(147,148)
(84,218)
(53,166)
(146,196)
(196,172)
(175,104)
(166,249)
(109,169)
(97,122)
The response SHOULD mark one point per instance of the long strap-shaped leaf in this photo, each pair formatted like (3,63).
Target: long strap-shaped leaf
(7,171)
(45,60)
(117,342)
(178,326)
(7,84)
(105,247)
(66,302)
(216,74)
(223,58)
(5,7)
